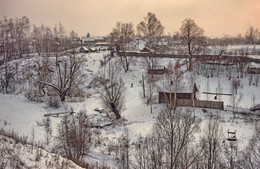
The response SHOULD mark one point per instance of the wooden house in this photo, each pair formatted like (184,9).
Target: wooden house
(92,49)
(147,50)
(84,50)
(254,69)
(165,97)
(157,71)
(88,41)
(188,98)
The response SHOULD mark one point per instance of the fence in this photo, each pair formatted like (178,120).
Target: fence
(243,58)
(200,103)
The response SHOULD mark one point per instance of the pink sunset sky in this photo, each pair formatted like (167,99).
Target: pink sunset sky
(98,17)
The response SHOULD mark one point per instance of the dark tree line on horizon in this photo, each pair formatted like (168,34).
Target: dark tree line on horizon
(19,36)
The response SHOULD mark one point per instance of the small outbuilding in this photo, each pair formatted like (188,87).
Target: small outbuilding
(147,50)
(84,50)
(158,71)
(254,68)
(164,97)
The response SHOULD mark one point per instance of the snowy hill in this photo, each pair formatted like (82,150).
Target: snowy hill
(26,117)
(18,155)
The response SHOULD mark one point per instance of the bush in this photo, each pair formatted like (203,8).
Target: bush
(54,102)
(34,95)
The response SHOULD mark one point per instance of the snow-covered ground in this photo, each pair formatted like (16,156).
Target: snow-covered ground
(18,155)
(24,117)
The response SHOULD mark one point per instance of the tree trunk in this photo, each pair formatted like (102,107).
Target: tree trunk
(115,111)
(62,96)
(190,63)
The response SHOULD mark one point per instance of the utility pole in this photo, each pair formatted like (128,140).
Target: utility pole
(143,86)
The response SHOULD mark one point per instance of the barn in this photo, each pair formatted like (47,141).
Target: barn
(189,99)
(164,97)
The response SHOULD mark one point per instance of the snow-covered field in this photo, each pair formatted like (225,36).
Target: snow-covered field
(28,156)
(24,117)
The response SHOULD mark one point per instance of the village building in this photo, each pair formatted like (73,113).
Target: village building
(92,41)
(158,71)
(189,94)
(254,68)
(147,50)
(84,50)
(186,96)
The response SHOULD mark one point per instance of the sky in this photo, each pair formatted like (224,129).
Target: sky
(98,17)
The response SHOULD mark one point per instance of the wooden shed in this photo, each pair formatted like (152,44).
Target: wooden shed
(254,68)
(165,97)
(83,50)
(158,71)
(147,50)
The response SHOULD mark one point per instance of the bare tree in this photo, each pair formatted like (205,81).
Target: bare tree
(73,35)
(250,158)
(22,28)
(124,149)
(211,144)
(174,82)
(48,129)
(42,68)
(65,77)
(112,88)
(149,153)
(7,51)
(151,91)
(151,62)
(37,36)
(176,127)
(122,35)
(193,37)
(256,79)
(253,99)
(74,136)
(231,155)
(236,97)
(151,28)
(252,35)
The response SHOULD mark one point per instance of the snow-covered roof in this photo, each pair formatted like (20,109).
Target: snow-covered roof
(254,65)
(93,49)
(147,49)
(184,86)
(162,43)
(85,48)
(103,43)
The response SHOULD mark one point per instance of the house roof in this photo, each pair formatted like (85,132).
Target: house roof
(92,49)
(84,48)
(147,49)
(184,86)
(102,44)
(254,65)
